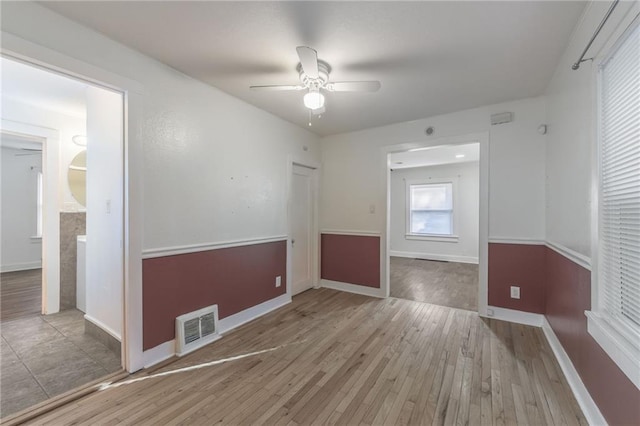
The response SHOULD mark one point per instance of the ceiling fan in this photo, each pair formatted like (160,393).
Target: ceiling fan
(314,76)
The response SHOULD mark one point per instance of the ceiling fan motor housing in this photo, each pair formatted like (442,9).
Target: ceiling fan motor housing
(316,83)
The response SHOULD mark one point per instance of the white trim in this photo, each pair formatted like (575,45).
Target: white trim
(586,403)
(508,240)
(433,237)
(511,315)
(572,255)
(354,232)
(241,318)
(25,266)
(159,353)
(194,248)
(168,349)
(431,256)
(102,326)
(353,288)
(620,350)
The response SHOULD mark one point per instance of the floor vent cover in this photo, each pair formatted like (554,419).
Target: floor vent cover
(196,329)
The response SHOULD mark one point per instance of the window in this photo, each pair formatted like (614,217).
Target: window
(615,324)
(430,209)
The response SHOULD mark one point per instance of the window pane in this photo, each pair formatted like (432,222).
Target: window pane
(430,222)
(432,197)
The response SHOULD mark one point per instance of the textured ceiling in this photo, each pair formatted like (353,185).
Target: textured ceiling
(431,57)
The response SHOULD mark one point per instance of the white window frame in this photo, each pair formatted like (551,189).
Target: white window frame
(453,237)
(618,340)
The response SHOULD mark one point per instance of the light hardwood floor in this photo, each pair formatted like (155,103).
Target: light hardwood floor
(449,284)
(339,358)
(20,294)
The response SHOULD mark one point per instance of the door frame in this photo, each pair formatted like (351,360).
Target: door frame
(315,235)
(483,237)
(50,140)
(21,50)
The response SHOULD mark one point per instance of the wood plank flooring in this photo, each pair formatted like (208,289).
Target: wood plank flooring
(339,358)
(20,294)
(449,284)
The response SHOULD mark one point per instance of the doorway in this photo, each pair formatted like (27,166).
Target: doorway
(303,225)
(434,224)
(75,334)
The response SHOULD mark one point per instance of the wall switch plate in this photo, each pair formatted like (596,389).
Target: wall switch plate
(278,281)
(515,292)
(372,208)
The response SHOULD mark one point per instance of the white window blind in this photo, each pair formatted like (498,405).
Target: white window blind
(619,199)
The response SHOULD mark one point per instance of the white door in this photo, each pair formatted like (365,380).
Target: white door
(301,229)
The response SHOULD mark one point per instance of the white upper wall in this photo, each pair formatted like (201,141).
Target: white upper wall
(353,173)
(571,103)
(466,213)
(67,127)
(214,167)
(19,209)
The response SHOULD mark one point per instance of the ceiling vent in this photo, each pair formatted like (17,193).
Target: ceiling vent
(196,329)
(501,118)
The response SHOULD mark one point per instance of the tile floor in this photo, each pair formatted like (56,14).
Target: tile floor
(44,356)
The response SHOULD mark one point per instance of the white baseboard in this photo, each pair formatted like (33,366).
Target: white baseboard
(166,350)
(431,256)
(589,408)
(352,288)
(236,320)
(163,351)
(103,326)
(511,315)
(14,267)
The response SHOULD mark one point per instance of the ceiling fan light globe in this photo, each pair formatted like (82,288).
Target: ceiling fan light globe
(313,100)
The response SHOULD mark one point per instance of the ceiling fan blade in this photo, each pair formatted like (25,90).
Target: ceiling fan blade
(353,86)
(309,60)
(318,111)
(276,88)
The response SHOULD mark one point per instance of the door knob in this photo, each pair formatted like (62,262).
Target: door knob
(293,241)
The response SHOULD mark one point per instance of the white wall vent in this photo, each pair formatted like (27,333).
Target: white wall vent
(501,118)
(196,329)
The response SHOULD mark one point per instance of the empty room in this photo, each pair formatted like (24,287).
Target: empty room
(321,212)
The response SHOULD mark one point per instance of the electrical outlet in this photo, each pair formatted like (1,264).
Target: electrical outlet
(278,281)
(515,292)
(372,208)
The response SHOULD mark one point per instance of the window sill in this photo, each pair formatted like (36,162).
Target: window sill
(439,238)
(620,349)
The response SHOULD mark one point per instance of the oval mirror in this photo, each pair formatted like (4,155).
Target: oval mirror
(77,177)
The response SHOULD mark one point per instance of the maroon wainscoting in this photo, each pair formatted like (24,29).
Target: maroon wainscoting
(521,265)
(568,295)
(234,278)
(351,259)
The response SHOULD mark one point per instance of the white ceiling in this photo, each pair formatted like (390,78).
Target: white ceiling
(43,89)
(435,156)
(431,57)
